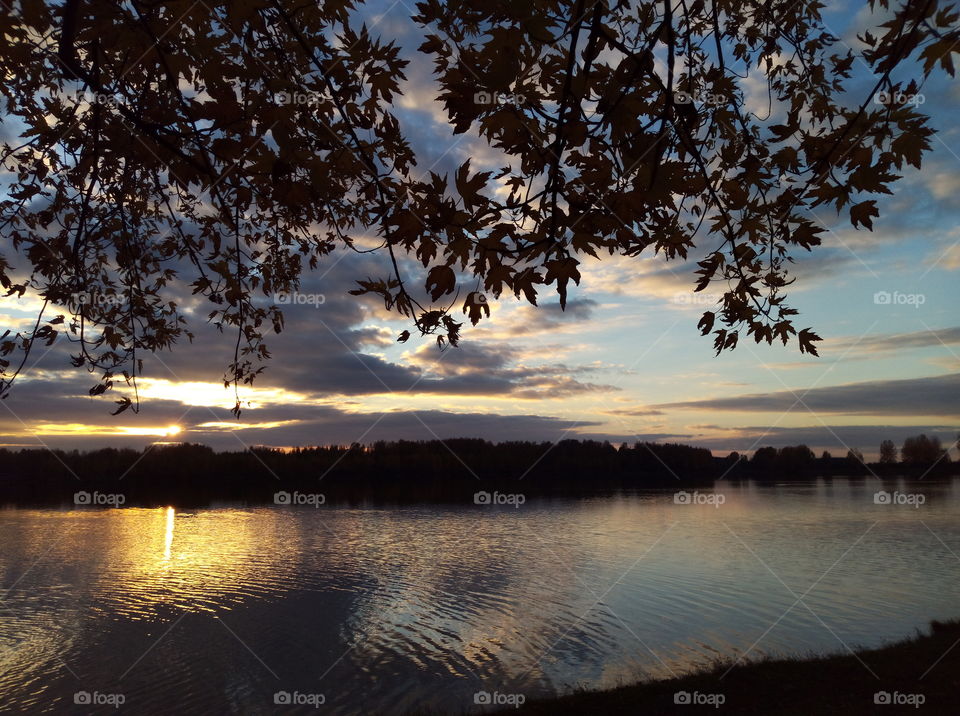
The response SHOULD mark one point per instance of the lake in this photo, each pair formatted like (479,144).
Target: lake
(390,610)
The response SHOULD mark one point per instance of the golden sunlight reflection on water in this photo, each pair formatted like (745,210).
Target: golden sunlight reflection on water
(168,535)
(419,604)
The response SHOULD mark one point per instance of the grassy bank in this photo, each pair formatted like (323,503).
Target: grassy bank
(838,684)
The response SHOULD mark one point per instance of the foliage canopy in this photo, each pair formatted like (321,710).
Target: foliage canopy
(171,152)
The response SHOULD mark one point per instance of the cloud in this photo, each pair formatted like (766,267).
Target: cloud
(634,412)
(70,424)
(672,283)
(650,277)
(496,369)
(335,350)
(867,18)
(949,259)
(511,319)
(836,438)
(526,320)
(937,395)
(944,184)
(888,342)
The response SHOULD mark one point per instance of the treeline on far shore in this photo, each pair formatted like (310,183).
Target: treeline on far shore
(190,474)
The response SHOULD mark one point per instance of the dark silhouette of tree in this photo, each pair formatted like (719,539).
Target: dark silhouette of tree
(217,150)
(453,470)
(402,470)
(791,459)
(888,452)
(764,458)
(795,459)
(854,455)
(921,450)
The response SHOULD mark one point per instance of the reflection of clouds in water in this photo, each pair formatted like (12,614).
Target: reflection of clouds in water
(415,607)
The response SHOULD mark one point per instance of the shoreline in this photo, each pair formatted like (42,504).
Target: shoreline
(88,497)
(916,675)
(106,494)
(456,470)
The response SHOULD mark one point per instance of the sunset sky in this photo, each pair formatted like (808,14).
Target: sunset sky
(625,362)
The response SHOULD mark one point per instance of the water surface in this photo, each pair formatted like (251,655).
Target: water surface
(388,610)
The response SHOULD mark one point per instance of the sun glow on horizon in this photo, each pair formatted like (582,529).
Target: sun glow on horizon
(120,430)
(213,395)
(163,432)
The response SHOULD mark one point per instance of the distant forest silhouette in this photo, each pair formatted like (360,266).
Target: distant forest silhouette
(449,470)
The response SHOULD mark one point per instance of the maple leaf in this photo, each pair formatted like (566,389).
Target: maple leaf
(469,188)
(561,271)
(807,339)
(706,322)
(440,281)
(476,306)
(123,404)
(861,213)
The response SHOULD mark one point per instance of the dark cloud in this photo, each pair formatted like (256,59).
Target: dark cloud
(937,395)
(835,438)
(549,317)
(469,358)
(298,424)
(499,369)
(330,347)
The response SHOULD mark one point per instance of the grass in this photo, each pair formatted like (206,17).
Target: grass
(830,684)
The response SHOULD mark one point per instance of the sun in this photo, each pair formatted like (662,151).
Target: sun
(172,430)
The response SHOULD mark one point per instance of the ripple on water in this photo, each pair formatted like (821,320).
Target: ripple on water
(388,610)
